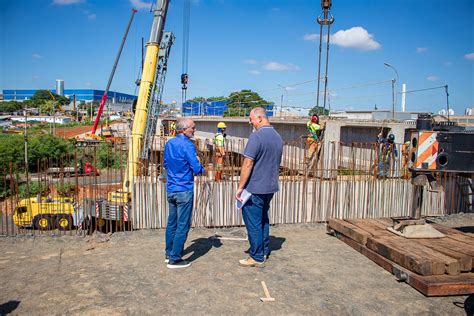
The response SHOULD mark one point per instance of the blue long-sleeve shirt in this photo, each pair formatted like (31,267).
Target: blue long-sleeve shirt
(181,164)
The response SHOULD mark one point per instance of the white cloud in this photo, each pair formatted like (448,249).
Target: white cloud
(432,78)
(274,66)
(88,84)
(421,49)
(139,4)
(448,63)
(92,16)
(254,72)
(36,56)
(250,61)
(67,2)
(356,37)
(311,37)
(469,56)
(290,88)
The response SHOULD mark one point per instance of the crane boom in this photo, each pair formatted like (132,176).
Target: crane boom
(141,113)
(106,92)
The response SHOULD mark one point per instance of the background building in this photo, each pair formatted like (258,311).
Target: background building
(211,108)
(87,95)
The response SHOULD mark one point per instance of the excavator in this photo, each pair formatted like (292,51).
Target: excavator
(115,209)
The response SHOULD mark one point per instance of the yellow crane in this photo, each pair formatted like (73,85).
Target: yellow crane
(117,205)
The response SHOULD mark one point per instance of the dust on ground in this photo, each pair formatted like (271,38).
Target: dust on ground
(308,272)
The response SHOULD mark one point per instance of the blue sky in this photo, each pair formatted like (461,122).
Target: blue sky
(270,47)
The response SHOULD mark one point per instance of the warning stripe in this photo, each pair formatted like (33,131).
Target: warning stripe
(427,150)
(125,212)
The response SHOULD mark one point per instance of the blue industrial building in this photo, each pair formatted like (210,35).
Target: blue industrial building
(211,108)
(81,95)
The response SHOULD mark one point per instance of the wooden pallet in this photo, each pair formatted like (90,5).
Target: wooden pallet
(435,267)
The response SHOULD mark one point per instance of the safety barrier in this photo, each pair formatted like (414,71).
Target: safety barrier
(357,180)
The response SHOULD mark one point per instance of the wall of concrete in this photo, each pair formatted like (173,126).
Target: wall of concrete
(294,129)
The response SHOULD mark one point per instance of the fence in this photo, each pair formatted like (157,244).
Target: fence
(340,180)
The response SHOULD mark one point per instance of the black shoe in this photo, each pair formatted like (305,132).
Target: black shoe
(167,259)
(178,264)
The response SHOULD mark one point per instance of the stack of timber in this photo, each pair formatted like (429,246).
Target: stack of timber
(435,267)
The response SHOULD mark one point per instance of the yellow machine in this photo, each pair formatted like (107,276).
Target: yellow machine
(116,208)
(46,213)
(147,83)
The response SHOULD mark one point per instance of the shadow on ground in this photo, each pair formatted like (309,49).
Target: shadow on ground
(275,244)
(466,229)
(468,305)
(201,246)
(8,307)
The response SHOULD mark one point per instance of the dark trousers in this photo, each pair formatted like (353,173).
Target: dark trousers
(255,215)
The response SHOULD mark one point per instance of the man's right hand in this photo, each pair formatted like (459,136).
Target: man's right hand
(238,194)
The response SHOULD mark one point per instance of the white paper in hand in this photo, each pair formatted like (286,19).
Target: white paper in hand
(245,196)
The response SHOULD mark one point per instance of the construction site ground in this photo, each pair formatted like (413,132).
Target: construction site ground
(308,272)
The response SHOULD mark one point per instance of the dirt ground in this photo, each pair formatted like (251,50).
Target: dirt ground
(308,272)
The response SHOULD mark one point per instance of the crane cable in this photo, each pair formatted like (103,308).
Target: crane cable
(184,75)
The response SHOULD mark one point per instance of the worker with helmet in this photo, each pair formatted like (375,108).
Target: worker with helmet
(219,143)
(387,152)
(172,128)
(313,138)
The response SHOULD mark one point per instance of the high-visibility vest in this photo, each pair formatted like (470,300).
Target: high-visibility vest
(313,129)
(219,140)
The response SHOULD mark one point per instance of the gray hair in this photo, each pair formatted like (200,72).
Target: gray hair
(182,123)
(259,111)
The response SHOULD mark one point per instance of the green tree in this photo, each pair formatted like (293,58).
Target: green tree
(317,110)
(45,95)
(11,106)
(108,157)
(241,103)
(221,98)
(197,99)
(47,107)
(91,107)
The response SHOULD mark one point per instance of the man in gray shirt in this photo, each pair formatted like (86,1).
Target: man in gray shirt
(259,176)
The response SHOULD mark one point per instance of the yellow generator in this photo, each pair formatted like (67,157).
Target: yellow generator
(46,213)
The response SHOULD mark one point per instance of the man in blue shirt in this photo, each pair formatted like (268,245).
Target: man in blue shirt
(259,176)
(181,163)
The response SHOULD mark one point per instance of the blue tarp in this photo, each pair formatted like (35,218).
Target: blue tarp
(211,108)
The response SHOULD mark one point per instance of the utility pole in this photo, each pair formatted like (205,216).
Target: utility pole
(447,99)
(324,19)
(393,88)
(26,153)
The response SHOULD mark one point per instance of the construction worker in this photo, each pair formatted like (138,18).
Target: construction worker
(313,137)
(387,152)
(172,128)
(219,145)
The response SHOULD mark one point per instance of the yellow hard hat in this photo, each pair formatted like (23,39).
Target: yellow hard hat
(221,125)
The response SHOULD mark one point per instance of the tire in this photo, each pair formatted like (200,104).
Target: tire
(64,222)
(43,222)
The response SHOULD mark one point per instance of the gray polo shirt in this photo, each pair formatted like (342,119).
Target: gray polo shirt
(265,148)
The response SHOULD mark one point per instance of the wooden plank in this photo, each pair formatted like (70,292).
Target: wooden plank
(370,226)
(457,246)
(465,261)
(378,259)
(377,228)
(442,285)
(455,234)
(428,285)
(410,260)
(349,230)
